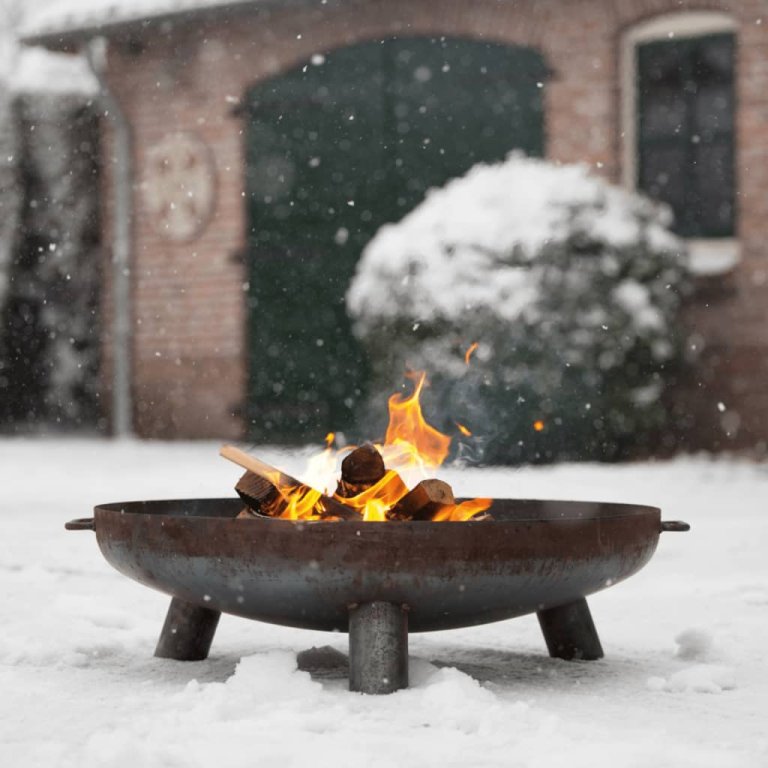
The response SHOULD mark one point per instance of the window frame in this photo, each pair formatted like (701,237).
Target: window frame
(710,255)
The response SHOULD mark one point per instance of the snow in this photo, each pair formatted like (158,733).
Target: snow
(472,242)
(709,258)
(39,71)
(684,682)
(35,70)
(636,300)
(71,15)
(694,643)
(700,678)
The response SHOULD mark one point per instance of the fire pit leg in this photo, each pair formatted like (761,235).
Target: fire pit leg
(187,633)
(570,632)
(378,648)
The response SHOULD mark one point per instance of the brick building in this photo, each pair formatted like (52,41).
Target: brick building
(233,107)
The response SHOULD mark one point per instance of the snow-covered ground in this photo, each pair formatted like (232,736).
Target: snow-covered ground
(684,681)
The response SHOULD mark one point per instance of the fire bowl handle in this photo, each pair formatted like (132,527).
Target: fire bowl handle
(81,524)
(676,526)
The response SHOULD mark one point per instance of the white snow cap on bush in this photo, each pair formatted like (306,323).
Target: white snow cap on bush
(455,251)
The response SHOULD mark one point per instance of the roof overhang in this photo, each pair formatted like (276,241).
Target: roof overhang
(71,33)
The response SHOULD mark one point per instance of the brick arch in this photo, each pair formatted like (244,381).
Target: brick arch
(633,15)
(294,63)
(347,26)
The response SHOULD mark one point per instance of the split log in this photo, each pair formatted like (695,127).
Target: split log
(424,500)
(360,470)
(259,494)
(282,483)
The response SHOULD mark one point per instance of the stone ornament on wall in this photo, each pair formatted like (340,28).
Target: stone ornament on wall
(179,186)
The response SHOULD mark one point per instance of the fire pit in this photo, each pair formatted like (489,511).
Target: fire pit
(378,581)
(375,558)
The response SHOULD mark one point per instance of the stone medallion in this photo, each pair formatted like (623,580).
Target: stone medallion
(179,186)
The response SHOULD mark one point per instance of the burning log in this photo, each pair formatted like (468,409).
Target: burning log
(285,488)
(424,501)
(260,496)
(360,470)
(366,491)
(368,486)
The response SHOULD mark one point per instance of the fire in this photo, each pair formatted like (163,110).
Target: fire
(464,431)
(374,502)
(410,441)
(472,347)
(463,511)
(411,449)
(302,504)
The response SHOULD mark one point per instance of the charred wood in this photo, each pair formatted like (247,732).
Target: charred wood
(424,501)
(258,493)
(326,506)
(360,470)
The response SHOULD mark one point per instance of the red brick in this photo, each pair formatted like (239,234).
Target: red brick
(189,296)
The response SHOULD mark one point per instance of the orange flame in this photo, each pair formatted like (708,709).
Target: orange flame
(410,434)
(410,445)
(302,504)
(472,347)
(464,431)
(463,511)
(374,502)
(538,425)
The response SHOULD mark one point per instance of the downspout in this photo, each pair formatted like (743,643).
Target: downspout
(122,244)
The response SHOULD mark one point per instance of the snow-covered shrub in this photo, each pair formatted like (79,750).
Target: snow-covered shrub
(570,286)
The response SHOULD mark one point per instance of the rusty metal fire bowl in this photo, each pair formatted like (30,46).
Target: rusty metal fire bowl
(378,581)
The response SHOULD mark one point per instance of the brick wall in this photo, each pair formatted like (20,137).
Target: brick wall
(190,341)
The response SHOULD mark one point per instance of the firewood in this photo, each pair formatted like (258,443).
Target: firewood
(424,500)
(259,493)
(360,470)
(363,465)
(326,505)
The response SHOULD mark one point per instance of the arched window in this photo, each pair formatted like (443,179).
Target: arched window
(679,126)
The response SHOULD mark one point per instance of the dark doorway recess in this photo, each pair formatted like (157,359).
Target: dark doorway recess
(334,150)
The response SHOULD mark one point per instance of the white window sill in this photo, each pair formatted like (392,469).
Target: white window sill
(712,257)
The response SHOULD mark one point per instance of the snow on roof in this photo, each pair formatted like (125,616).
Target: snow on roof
(71,16)
(39,71)
(36,70)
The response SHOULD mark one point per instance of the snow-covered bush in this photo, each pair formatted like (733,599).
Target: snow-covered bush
(570,286)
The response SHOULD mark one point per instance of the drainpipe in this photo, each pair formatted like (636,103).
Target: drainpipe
(122,245)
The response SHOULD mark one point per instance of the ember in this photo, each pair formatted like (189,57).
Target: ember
(371,486)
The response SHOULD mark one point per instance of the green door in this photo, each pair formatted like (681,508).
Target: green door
(335,149)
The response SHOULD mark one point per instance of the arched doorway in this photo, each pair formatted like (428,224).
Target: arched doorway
(334,150)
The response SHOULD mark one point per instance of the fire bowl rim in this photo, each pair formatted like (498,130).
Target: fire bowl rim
(307,574)
(605,510)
